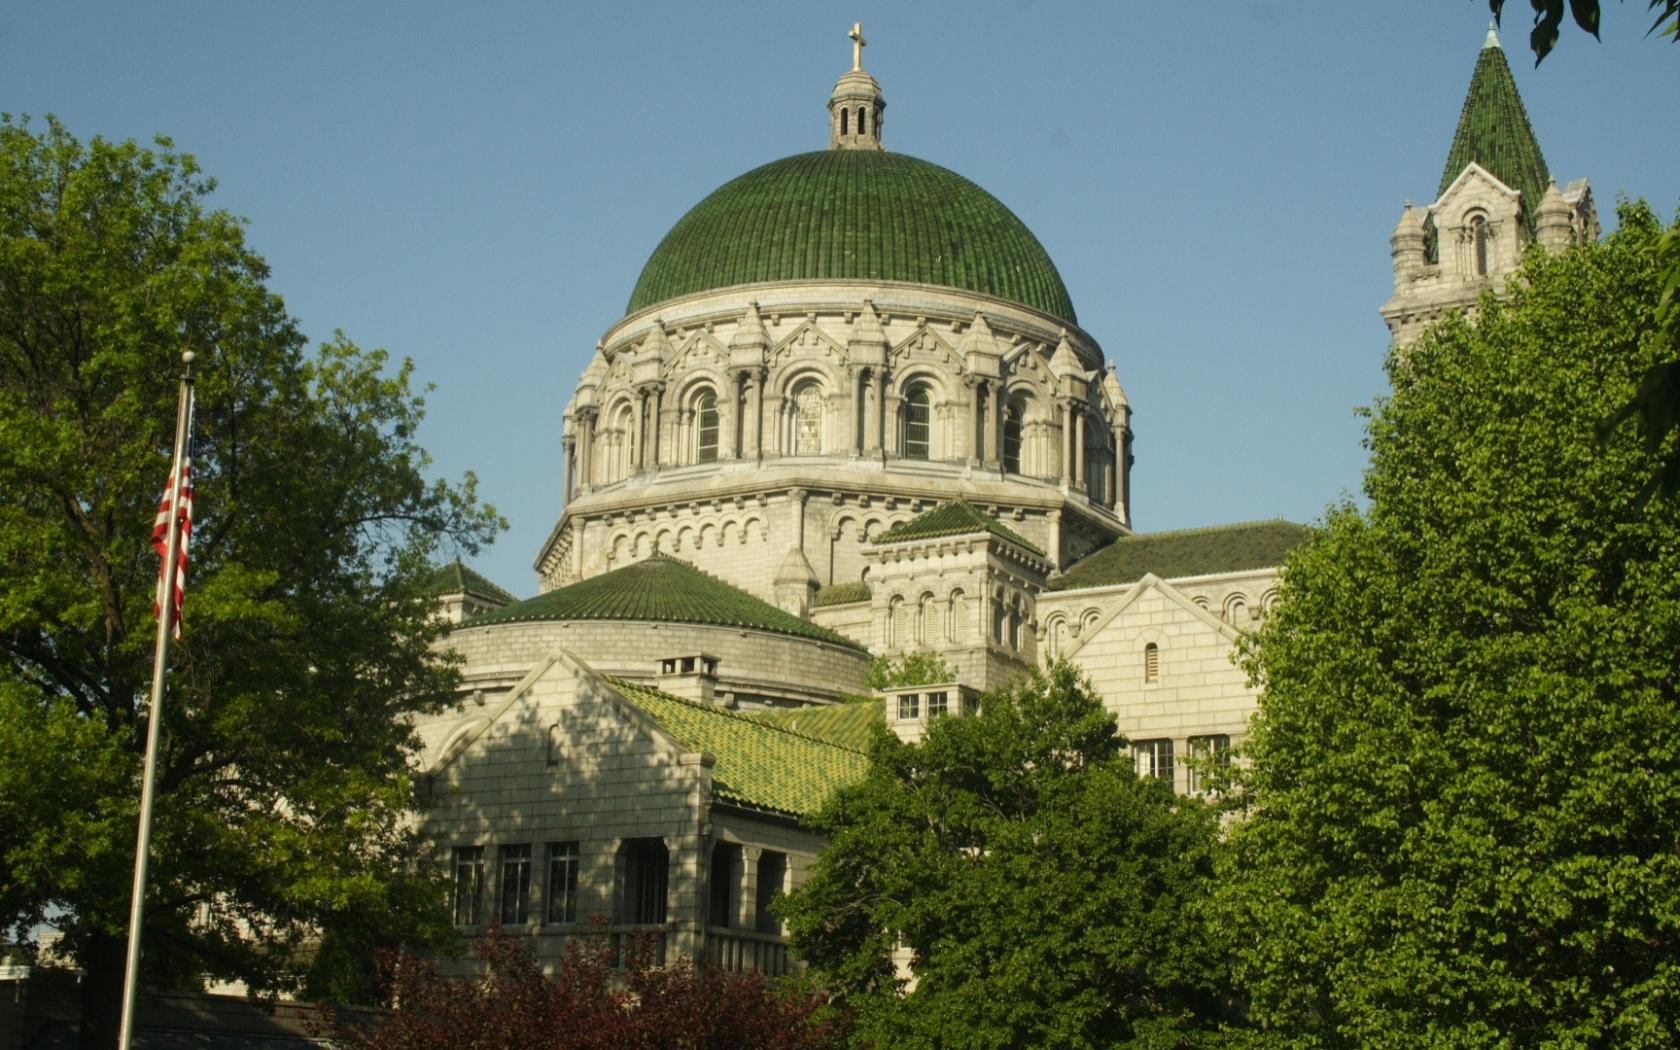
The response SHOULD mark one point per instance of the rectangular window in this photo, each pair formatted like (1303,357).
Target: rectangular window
(1207,753)
(1154,759)
(726,864)
(562,882)
(936,705)
(516,884)
(469,884)
(909,706)
(772,869)
(970,705)
(647,865)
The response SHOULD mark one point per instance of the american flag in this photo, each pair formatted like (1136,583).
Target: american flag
(177,497)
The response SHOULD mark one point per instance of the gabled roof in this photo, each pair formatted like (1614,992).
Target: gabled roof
(758,763)
(1186,552)
(662,589)
(1493,131)
(955,518)
(849,725)
(456,578)
(1174,596)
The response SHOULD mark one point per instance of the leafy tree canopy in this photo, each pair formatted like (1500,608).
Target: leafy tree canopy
(1548,20)
(919,668)
(281,775)
(1463,781)
(1042,893)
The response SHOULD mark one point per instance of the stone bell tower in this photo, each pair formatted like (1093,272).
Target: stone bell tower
(1496,197)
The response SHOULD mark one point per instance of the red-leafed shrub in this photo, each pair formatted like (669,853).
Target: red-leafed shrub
(589,1004)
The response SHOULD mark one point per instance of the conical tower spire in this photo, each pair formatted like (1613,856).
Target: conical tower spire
(1493,131)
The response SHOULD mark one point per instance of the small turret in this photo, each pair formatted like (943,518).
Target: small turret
(1553,228)
(1407,245)
(856,105)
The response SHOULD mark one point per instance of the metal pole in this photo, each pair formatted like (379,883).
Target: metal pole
(160,661)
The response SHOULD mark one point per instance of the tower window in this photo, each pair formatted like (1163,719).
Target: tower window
(706,427)
(916,423)
(807,420)
(863,121)
(845,115)
(1479,237)
(1151,663)
(1012,437)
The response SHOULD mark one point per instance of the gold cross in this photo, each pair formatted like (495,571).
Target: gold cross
(858,44)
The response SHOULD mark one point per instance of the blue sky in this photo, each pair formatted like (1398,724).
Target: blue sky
(476,186)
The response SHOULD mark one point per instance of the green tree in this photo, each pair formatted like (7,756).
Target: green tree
(920,668)
(1044,893)
(282,790)
(1463,781)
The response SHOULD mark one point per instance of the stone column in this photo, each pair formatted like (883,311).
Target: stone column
(854,409)
(1065,441)
(752,432)
(891,438)
(656,454)
(1078,446)
(746,905)
(638,453)
(586,445)
(872,412)
(994,391)
(571,466)
(729,411)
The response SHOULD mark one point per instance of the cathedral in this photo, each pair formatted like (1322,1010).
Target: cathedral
(849,413)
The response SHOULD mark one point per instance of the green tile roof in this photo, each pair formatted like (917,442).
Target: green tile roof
(853,215)
(1493,131)
(954,519)
(1188,552)
(849,725)
(841,593)
(663,589)
(455,578)
(759,763)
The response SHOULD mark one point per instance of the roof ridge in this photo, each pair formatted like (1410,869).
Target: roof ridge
(917,526)
(1196,529)
(619,683)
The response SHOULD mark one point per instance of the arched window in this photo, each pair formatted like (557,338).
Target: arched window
(844,115)
(958,630)
(1012,414)
(895,610)
(1479,240)
(1151,663)
(553,746)
(706,427)
(807,420)
(915,422)
(863,121)
(1016,619)
(626,425)
(927,621)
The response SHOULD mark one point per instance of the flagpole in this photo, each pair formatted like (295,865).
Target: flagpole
(160,661)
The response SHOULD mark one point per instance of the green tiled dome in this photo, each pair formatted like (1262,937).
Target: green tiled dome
(853,215)
(663,589)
